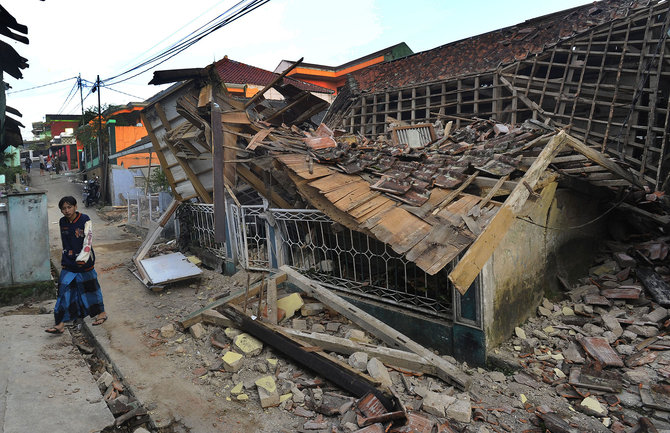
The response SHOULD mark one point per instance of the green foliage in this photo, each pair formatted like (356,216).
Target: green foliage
(158,180)
(10,173)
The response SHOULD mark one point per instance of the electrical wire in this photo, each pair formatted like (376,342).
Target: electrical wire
(69,97)
(599,217)
(41,85)
(124,93)
(184,44)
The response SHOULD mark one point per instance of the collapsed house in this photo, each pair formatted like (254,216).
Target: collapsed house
(445,191)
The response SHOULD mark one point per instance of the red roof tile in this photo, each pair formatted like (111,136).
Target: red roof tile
(489,50)
(231,71)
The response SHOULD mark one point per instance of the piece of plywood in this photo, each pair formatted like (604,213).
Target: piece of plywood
(444,369)
(169,267)
(480,251)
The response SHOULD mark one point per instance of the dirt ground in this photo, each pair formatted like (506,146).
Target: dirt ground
(180,381)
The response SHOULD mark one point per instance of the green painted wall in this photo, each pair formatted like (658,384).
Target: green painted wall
(523,268)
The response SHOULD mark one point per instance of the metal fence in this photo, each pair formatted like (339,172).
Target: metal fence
(337,257)
(143,209)
(196,227)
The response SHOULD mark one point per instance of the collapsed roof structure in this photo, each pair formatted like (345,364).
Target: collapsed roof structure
(444,190)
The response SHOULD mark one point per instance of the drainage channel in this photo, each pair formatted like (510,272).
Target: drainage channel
(129,412)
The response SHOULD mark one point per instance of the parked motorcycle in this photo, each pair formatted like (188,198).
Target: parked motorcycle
(91,192)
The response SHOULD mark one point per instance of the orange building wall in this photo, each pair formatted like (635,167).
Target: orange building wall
(126,136)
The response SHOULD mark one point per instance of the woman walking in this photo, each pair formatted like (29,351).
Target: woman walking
(79,293)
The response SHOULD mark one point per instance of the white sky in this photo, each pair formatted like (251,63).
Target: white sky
(71,37)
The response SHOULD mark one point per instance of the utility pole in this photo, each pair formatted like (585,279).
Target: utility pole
(102,150)
(81,97)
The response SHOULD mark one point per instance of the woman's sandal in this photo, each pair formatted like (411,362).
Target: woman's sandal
(54,330)
(100,320)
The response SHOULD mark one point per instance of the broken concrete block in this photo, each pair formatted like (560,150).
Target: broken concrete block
(168,331)
(591,405)
(105,380)
(624,260)
(193,259)
(248,345)
(267,391)
(232,361)
(357,335)
(284,397)
(645,331)
(520,333)
(546,303)
(613,325)
(312,308)
(657,315)
(567,311)
(237,389)
(242,397)
(460,410)
(609,267)
(359,360)
(436,404)
(197,331)
(141,430)
(298,395)
(272,363)
(290,304)
(625,349)
(232,332)
(497,376)
(377,370)
(332,326)
(542,311)
(299,324)
(317,327)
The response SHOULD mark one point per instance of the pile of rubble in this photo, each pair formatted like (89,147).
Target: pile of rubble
(604,350)
(596,361)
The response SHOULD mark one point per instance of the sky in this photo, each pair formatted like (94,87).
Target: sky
(90,38)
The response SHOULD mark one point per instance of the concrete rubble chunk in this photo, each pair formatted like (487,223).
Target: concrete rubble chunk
(357,336)
(613,325)
(317,327)
(546,303)
(608,267)
(644,331)
(237,389)
(359,360)
(497,376)
(460,410)
(168,331)
(299,324)
(232,361)
(141,430)
(232,332)
(248,345)
(333,326)
(267,391)
(105,380)
(377,370)
(567,311)
(542,311)
(312,309)
(520,333)
(657,315)
(290,304)
(591,405)
(197,331)
(436,404)
(624,260)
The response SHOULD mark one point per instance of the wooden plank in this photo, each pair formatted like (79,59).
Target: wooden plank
(275,81)
(444,369)
(153,235)
(218,167)
(601,159)
(342,375)
(159,153)
(367,207)
(236,117)
(455,192)
(400,229)
(272,301)
(480,251)
(334,181)
(234,297)
(476,210)
(259,186)
(345,190)
(395,357)
(258,137)
(205,96)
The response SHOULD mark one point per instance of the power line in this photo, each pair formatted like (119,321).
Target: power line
(123,93)
(193,38)
(69,96)
(41,85)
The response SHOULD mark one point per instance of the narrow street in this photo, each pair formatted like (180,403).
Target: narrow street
(165,390)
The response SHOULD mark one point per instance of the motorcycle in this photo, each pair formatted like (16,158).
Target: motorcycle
(91,193)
